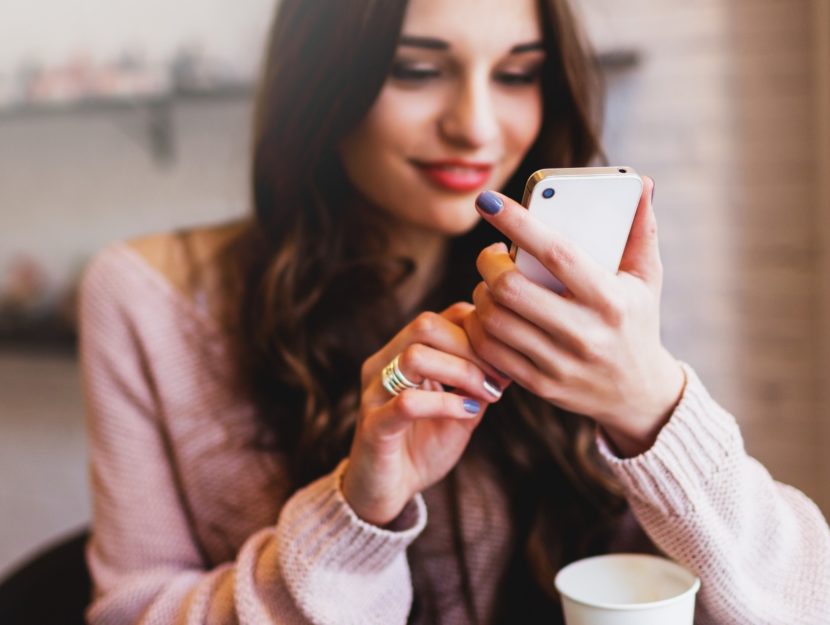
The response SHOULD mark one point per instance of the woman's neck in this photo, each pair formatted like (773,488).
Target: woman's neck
(428,250)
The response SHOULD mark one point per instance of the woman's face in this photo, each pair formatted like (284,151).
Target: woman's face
(459,110)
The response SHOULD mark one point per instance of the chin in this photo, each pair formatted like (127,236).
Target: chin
(455,227)
(449,214)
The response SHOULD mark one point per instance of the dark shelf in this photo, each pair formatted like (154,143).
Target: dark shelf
(156,108)
(102,104)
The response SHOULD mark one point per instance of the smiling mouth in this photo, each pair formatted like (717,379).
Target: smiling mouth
(455,175)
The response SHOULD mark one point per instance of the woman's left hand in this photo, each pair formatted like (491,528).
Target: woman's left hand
(596,349)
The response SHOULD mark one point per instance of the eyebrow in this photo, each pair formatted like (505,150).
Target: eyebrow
(431,43)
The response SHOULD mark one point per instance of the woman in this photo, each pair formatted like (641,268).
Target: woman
(257,456)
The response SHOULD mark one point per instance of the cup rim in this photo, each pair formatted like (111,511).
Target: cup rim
(693,588)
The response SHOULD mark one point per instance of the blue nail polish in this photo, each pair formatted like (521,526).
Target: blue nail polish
(489,202)
(472,406)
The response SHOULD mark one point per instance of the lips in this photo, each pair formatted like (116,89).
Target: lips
(455,175)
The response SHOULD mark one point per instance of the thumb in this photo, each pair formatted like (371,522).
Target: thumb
(457,312)
(642,254)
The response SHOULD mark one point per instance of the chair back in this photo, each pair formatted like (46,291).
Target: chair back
(52,587)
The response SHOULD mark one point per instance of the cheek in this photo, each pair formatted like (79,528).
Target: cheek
(521,123)
(390,129)
(404,112)
(401,124)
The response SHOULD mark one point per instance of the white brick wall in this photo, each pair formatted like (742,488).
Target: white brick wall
(821,72)
(722,114)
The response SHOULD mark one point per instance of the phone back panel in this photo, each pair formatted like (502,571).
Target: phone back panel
(592,206)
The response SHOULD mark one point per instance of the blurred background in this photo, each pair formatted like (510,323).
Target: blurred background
(120,118)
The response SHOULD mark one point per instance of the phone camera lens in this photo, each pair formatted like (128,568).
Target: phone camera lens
(622,171)
(548,193)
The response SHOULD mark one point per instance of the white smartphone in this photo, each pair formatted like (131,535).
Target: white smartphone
(592,206)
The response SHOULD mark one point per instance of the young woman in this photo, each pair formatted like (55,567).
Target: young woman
(276,404)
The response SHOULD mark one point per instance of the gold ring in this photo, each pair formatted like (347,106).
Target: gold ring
(393,378)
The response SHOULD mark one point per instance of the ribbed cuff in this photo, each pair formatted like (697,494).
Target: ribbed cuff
(318,528)
(700,441)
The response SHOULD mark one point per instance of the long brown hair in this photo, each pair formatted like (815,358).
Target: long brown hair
(313,283)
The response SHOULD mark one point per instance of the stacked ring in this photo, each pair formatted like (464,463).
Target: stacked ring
(393,378)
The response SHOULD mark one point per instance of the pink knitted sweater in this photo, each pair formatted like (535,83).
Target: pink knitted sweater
(192,526)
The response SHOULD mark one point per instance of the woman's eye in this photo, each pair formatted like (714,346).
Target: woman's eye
(413,73)
(517,78)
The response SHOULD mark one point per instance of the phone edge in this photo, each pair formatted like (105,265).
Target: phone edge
(552,172)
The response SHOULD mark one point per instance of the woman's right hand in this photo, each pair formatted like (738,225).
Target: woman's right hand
(404,444)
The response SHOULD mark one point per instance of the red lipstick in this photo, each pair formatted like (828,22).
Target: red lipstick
(455,175)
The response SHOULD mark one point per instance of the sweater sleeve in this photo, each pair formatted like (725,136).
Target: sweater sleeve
(319,563)
(760,548)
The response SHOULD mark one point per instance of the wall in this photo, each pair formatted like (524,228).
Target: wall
(71,183)
(43,483)
(722,115)
(821,63)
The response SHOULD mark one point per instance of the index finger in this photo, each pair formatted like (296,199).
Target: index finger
(439,332)
(580,273)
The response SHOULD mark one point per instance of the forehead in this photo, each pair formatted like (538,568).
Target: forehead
(480,26)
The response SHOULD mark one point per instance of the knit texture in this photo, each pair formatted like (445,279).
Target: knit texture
(193,525)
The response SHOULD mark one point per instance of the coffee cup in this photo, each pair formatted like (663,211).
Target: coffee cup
(627,589)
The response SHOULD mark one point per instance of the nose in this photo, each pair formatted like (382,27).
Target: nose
(469,119)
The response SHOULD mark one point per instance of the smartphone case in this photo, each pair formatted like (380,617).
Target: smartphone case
(592,206)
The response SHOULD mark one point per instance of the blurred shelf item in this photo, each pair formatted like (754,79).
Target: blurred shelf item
(619,59)
(33,313)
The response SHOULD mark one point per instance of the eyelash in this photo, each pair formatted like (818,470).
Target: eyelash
(510,78)
(415,75)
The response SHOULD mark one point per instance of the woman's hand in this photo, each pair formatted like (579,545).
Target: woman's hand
(404,444)
(594,350)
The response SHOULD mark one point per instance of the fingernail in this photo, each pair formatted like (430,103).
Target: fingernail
(491,387)
(489,202)
(472,406)
(653,185)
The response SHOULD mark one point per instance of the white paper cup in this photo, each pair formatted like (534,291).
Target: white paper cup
(627,589)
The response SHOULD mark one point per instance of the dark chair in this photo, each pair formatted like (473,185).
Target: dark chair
(50,588)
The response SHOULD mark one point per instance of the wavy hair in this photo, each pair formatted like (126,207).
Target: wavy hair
(311,280)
